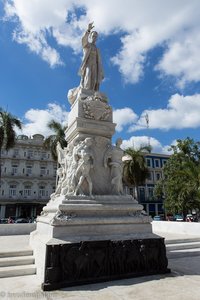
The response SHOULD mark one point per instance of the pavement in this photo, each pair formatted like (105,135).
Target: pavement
(182,283)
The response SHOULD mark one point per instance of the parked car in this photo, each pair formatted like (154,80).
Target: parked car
(4,221)
(178,218)
(21,220)
(157,218)
(189,218)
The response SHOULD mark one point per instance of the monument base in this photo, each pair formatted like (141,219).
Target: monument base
(71,264)
(84,239)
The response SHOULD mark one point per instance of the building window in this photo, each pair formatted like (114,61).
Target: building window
(150,192)
(30,153)
(131,191)
(16,152)
(164,162)
(42,170)
(142,194)
(158,175)
(43,155)
(29,170)
(148,162)
(2,191)
(27,190)
(41,190)
(157,163)
(14,169)
(12,190)
(150,176)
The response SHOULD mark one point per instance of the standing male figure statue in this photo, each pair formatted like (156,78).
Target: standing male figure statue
(91,70)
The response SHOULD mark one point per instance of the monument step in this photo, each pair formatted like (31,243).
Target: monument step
(13,271)
(183,253)
(16,253)
(72,219)
(183,248)
(100,206)
(190,240)
(100,201)
(186,245)
(16,261)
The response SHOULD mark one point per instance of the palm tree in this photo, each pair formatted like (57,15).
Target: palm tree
(135,171)
(7,131)
(52,140)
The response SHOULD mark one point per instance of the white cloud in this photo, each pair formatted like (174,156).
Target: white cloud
(38,44)
(143,24)
(36,120)
(139,141)
(123,117)
(181,112)
(182,59)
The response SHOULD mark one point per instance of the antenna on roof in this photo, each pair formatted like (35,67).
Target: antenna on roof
(147,123)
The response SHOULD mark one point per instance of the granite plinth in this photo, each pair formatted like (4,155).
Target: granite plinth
(95,261)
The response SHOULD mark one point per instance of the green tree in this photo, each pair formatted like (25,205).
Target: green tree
(180,186)
(135,171)
(8,122)
(51,141)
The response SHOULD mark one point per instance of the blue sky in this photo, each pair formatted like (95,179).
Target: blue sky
(150,53)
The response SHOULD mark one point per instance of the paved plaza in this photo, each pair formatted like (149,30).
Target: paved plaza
(183,282)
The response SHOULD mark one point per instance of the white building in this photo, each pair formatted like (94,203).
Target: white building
(28,177)
(155,163)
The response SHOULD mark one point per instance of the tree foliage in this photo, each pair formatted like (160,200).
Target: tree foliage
(52,140)
(180,186)
(7,129)
(135,170)
(8,122)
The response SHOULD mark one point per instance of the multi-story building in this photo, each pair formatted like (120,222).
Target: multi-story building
(152,205)
(28,178)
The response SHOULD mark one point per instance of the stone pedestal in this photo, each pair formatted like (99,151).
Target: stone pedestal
(90,231)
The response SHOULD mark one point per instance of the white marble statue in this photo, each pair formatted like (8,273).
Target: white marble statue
(113,159)
(67,166)
(91,70)
(73,164)
(61,171)
(85,164)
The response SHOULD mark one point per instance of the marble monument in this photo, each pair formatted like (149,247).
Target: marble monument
(90,230)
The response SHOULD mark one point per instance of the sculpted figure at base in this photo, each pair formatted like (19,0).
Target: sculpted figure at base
(84,165)
(61,171)
(72,180)
(91,70)
(113,159)
(68,158)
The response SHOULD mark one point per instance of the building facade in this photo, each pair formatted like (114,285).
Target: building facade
(155,163)
(28,178)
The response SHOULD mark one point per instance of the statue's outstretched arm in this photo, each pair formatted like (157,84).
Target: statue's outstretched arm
(86,35)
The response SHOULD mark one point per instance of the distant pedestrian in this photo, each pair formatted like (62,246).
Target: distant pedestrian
(10,220)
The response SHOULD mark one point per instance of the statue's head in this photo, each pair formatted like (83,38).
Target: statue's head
(118,142)
(94,36)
